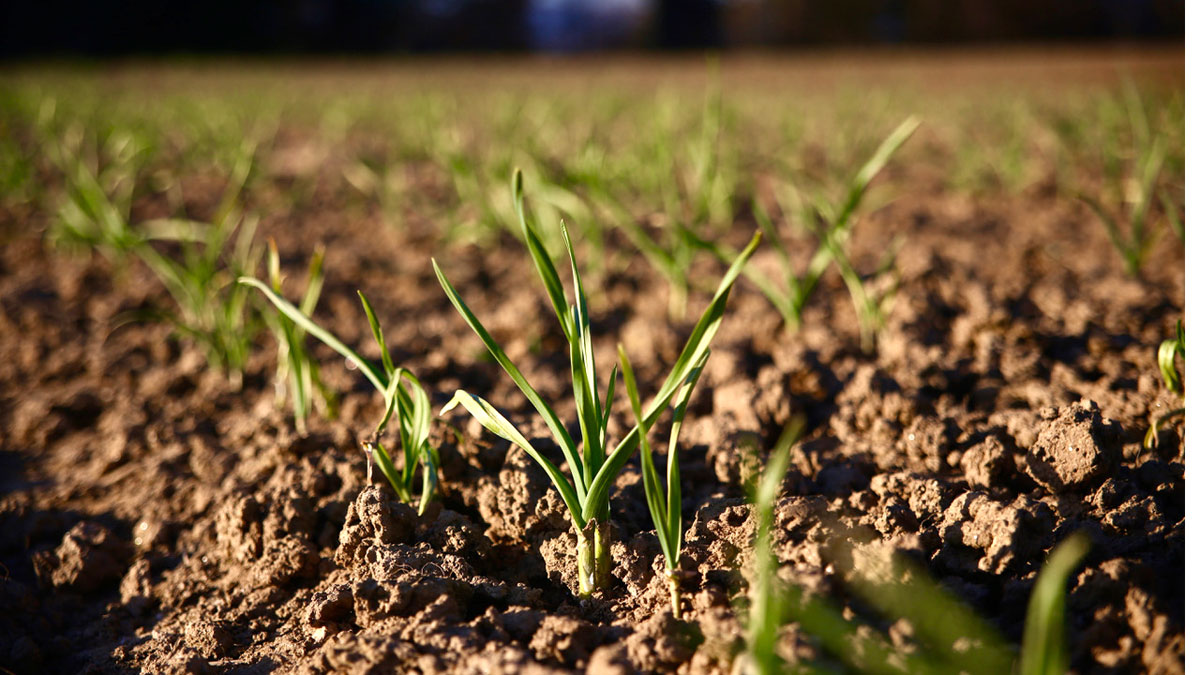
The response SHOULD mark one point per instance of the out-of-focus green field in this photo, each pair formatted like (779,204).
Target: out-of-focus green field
(687,137)
(656,154)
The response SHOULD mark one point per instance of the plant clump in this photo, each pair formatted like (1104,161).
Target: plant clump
(592,467)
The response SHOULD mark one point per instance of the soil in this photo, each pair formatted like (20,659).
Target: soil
(154,518)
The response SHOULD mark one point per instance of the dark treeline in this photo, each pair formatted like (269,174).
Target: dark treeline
(76,27)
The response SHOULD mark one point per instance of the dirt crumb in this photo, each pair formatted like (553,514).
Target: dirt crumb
(89,558)
(1075,447)
(987,464)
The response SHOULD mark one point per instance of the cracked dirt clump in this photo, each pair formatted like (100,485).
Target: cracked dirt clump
(89,558)
(1075,447)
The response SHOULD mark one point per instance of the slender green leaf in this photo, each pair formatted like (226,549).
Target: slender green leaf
(541,258)
(608,403)
(316,280)
(389,401)
(384,461)
(377,331)
(429,479)
(1166,360)
(421,408)
(557,430)
(875,164)
(493,421)
(768,603)
(1044,647)
(369,371)
(586,395)
(674,489)
(654,491)
(1110,225)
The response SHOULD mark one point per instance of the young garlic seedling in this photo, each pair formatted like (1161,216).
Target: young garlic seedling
(832,223)
(296,372)
(411,406)
(209,308)
(1135,245)
(592,468)
(1166,365)
(665,508)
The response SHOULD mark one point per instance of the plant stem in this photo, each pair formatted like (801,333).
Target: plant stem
(595,557)
(603,554)
(673,585)
(585,550)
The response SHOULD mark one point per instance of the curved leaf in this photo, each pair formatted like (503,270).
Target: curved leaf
(292,312)
(493,421)
(557,430)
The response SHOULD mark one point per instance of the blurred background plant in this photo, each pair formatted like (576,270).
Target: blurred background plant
(196,262)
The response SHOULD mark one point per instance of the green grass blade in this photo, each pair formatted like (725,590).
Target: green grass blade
(293,357)
(585,405)
(1150,440)
(608,404)
(416,416)
(1135,109)
(764,283)
(706,328)
(874,165)
(655,500)
(1166,360)
(292,312)
(389,402)
(851,642)
(659,257)
(772,475)
(178,230)
(767,604)
(902,590)
(1044,647)
(584,371)
(377,331)
(674,489)
(868,313)
(494,422)
(785,262)
(237,182)
(542,262)
(422,408)
(429,478)
(273,273)
(1124,247)
(1148,179)
(839,223)
(299,377)
(316,281)
(557,430)
(384,461)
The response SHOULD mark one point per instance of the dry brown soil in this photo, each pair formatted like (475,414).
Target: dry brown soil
(155,519)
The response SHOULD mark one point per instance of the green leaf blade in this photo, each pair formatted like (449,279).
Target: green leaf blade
(493,421)
(292,312)
(377,332)
(557,430)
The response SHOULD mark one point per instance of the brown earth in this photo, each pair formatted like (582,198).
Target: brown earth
(152,518)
